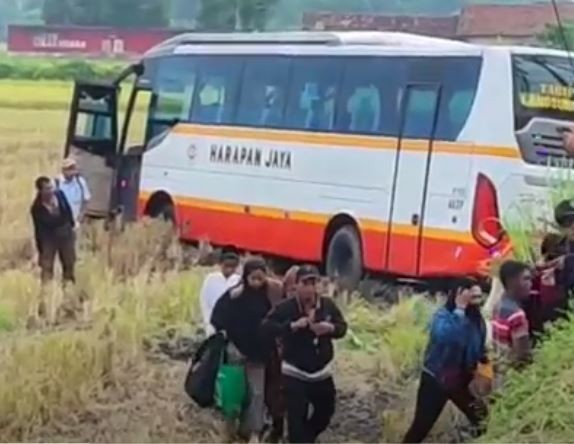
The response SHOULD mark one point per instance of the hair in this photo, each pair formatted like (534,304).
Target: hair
(564,213)
(472,311)
(551,246)
(40,182)
(510,270)
(228,254)
(252,265)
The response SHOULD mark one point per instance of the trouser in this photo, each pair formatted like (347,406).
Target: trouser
(274,395)
(299,397)
(253,417)
(64,246)
(432,398)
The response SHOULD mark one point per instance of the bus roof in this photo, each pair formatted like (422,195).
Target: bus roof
(348,38)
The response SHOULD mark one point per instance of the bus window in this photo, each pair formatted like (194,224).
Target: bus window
(366,105)
(263,92)
(173,85)
(544,86)
(312,95)
(458,77)
(217,90)
(419,114)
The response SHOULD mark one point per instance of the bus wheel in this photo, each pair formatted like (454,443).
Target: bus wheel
(344,260)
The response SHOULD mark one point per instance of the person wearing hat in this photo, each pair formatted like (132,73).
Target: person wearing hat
(75,188)
(307,325)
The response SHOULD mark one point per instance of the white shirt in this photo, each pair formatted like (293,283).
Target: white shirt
(214,286)
(77,193)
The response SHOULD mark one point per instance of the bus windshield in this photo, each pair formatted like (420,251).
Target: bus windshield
(544,86)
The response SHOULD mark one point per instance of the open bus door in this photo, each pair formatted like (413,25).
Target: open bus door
(94,140)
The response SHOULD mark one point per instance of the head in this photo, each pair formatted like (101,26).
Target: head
(290,282)
(516,279)
(229,262)
(255,274)
(307,278)
(564,217)
(44,188)
(551,247)
(471,288)
(69,168)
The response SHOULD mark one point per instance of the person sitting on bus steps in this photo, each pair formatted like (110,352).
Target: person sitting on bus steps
(510,328)
(75,188)
(54,230)
(564,218)
(455,353)
(216,284)
(307,325)
(239,314)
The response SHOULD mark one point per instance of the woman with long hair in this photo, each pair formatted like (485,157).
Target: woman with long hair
(239,313)
(455,354)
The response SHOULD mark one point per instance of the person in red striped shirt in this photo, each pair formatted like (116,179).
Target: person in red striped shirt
(510,328)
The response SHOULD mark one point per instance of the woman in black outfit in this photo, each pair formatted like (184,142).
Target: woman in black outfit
(239,313)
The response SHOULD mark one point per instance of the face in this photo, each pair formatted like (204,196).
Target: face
(69,172)
(307,288)
(47,190)
(228,267)
(523,284)
(475,295)
(257,279)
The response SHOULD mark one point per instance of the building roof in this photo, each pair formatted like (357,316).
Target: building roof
(510,20)
(424,25)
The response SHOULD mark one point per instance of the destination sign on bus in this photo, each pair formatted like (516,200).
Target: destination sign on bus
(550,96)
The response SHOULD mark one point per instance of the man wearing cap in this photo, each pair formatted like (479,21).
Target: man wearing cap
(307,325)
(75,188)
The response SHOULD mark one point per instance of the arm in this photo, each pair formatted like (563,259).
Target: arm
(278,321)
(338,321)
(521,348)
(448,327)
(87,196)
(220,314)
(36,224)
(205,304)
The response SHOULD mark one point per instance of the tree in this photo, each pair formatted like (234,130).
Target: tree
(120,13)
(234,15)
(552,37)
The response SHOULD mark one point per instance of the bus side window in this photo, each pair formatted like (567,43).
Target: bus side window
(263,92)
(173,83)
(365,106)
(313,93)
(458,77)
(217,90)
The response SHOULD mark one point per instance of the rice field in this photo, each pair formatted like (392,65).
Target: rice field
(101,376)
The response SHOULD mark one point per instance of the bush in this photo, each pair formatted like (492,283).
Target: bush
(31,68)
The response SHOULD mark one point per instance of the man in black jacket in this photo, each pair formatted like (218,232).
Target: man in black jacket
(307,325)
(54,230)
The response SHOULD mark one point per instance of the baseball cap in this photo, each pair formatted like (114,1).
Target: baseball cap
(307,272)
(69,163)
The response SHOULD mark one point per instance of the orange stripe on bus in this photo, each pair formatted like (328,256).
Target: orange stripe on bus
(344,140)
(373,225)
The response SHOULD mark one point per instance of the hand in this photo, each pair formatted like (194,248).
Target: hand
(323,328)
(300,324)
(463,298)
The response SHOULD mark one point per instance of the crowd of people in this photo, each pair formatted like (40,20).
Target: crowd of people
(282,331)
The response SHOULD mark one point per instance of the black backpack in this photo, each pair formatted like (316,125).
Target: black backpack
(202,374)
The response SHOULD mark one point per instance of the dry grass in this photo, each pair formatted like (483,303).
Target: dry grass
(97,378)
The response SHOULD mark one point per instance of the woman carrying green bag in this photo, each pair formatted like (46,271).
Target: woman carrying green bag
(239,314)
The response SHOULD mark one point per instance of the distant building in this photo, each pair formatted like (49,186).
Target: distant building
(491,24)
(509,24)
(424,25)
(89,41)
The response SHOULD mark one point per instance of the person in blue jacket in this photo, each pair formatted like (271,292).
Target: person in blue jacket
(456,346)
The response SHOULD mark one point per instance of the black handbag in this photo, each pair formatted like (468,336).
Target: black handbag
(202,375)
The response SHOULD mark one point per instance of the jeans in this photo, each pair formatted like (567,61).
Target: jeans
(299,397)
(432,398)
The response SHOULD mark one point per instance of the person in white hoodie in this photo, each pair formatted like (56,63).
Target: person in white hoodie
(216,284)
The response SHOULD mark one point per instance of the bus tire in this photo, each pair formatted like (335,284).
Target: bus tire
(344,258)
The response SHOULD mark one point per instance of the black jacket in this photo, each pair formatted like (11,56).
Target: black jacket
(46,224)
(239,313)
(302,349)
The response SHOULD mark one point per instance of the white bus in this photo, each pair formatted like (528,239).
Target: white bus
(363,151)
